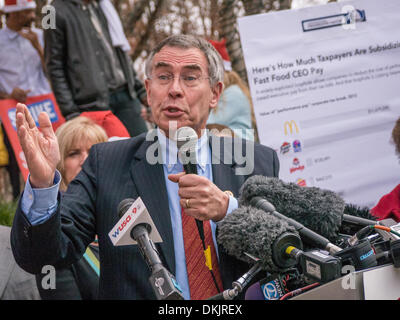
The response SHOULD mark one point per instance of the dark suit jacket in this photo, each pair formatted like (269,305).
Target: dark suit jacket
(78,282)
(115,171)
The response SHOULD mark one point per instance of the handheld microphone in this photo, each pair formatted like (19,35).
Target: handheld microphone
(136,222)
(186,141)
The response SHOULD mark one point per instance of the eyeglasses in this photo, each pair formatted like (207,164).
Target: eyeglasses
(187,80)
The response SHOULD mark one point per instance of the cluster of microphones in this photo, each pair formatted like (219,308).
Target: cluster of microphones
(298,237)
(304,240)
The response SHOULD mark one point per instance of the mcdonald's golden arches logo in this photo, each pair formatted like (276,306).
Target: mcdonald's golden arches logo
(290,126)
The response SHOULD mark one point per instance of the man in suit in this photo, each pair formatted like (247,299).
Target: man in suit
(184,82)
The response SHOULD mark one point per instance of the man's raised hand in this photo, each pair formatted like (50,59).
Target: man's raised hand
(40,147)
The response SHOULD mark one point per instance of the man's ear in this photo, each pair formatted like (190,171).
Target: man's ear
(216,93)
(148,90)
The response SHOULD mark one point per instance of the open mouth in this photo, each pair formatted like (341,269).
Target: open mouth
(173,112)
(173,109)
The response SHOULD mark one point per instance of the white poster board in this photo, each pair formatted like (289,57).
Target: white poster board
(382,283)
(325,83)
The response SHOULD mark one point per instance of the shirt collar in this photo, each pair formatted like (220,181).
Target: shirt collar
(169,151)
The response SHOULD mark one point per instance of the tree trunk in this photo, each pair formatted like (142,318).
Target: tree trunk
(135,15)
(285,4)
(252,6)
(230,33)
(142,38)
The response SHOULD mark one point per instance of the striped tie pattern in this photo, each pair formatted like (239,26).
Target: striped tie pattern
(201,283)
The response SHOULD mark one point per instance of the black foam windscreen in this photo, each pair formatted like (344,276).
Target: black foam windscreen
(253,231)
(317,209)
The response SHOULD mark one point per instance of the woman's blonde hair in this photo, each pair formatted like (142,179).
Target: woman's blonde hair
(231,78)
(70,133)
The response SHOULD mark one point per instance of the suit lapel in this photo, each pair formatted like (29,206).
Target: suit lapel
(226,179)
(223,168)
(149,181)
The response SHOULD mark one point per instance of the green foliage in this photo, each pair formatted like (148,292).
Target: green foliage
(7,210)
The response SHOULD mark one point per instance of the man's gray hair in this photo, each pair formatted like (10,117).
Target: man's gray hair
(215,64)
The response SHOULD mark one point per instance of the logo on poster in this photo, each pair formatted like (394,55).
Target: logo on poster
(301,182)
(296,146)
(290,126)
(35,109)
(285,147)
(346,19)
(352,15)
(297,166)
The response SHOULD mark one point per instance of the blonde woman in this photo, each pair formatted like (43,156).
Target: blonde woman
(75,138)
(80,280)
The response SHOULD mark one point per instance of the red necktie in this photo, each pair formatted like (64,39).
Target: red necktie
(201,283)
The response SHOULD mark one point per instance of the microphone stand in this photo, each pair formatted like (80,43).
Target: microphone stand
(238,285)
(161,280)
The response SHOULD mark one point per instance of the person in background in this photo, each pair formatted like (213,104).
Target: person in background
(22,72)
(80,281)
(220,130)
(1,18)
(389,205)
(75,138)
(88,64)
(235,108)
(15,283)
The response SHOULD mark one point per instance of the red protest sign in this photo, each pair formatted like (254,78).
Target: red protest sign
(44,103)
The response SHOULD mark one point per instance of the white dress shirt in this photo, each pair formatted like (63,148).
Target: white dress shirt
(20,64)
